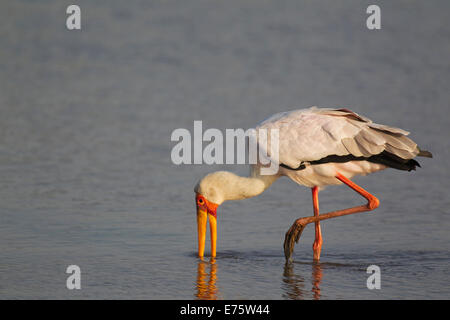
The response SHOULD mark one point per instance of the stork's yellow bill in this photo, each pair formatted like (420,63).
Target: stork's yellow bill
(206,210)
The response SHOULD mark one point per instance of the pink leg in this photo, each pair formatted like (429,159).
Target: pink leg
(317,245)
(295,231)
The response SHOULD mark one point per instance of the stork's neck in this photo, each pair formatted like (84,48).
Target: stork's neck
(221,186)
(238,188)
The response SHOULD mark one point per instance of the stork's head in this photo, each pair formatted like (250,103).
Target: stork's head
(209,194)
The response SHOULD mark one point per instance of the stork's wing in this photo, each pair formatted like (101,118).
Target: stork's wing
(312,134)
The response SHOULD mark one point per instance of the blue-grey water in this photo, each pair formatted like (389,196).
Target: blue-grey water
(86,176)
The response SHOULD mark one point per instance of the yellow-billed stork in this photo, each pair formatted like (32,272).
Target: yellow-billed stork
(317,147)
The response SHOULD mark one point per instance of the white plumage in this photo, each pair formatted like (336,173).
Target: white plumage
(312,134)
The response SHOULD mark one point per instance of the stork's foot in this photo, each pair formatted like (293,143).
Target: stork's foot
(293,235)
(317,248)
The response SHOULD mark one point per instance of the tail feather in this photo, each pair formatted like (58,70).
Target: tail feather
(425,153)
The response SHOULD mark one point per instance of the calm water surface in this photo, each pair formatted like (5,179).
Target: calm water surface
(85,171)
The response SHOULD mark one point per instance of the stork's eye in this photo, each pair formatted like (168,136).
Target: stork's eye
(201,201)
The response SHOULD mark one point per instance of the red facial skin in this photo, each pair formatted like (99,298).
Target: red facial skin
(206,205)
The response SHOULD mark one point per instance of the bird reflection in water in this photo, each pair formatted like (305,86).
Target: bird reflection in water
(316,278)
(295,283)
(206,280)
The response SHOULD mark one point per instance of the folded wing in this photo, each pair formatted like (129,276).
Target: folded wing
(313,134)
